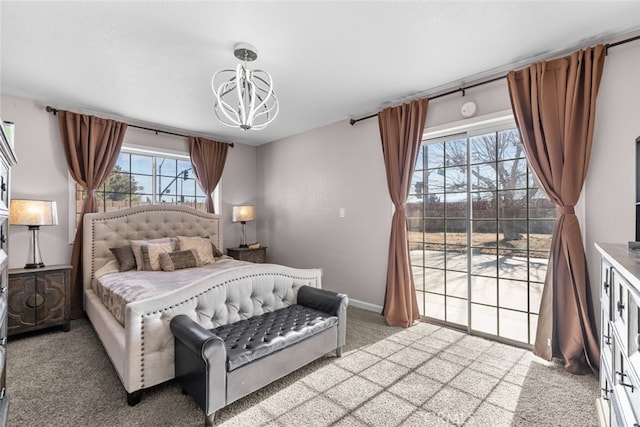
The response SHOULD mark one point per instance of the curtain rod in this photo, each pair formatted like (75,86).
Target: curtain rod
(54,111)
(491,80)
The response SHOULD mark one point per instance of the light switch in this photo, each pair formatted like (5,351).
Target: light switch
(341,213)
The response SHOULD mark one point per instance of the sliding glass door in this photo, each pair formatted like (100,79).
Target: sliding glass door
(479,231)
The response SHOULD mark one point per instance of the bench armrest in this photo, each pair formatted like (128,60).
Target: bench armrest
(190,334)
(200,364)
(321,299)
(329,302)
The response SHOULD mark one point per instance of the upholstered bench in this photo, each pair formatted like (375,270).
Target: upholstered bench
(219,366)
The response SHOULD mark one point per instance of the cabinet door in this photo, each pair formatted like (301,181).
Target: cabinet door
(23,302)
(4,186)
(50,290)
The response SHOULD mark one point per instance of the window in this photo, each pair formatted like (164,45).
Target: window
(480,233)
(143,177)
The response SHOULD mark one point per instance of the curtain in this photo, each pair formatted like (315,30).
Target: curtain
(401,130)
(208,158)
(554,104)
(91,146)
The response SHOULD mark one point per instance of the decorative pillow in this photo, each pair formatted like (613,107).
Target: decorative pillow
(202,245)
(170,261)
(137,252)
(151,255)
(110,267)
(125,258)
(216,251)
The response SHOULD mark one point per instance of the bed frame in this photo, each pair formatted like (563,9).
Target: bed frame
(142,351)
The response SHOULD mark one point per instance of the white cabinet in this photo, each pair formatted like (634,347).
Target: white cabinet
(619,402)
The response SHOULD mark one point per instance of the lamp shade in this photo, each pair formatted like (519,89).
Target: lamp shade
(33,212)
(243,214)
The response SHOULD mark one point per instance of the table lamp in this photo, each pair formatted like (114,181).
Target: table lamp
(33,214)
(242,214)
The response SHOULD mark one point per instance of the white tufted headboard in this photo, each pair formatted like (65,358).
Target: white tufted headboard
(108,230)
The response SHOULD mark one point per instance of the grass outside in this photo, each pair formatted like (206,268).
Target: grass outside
(486,241)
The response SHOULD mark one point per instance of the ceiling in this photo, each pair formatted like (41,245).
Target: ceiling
(151,62)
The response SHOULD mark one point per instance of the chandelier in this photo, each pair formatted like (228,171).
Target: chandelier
(244,97)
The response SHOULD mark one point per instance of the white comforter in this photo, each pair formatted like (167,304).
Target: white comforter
(116,290)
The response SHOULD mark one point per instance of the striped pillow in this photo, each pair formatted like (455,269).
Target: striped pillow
(170,261)
(151,255)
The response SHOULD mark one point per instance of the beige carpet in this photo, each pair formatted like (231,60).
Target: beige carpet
(422,376)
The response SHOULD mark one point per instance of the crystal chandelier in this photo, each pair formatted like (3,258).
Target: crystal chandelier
(244,97)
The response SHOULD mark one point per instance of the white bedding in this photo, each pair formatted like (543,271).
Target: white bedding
(116,290)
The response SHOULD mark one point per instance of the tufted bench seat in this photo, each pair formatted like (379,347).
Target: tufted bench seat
(221,365)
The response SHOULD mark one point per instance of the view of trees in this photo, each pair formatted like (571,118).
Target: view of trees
(118,186)
(492,167)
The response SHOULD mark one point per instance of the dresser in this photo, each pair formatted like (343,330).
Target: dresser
(7,160)
(258,255)
(39,298)
(619,402)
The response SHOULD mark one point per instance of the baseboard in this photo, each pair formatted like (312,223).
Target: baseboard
(365,305)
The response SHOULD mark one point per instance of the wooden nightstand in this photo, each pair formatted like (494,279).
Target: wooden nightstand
(258,255)
(39,298)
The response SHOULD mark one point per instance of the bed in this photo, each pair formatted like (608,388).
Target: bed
(138,339)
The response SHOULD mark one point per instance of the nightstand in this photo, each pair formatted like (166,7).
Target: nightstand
(39,298)
(258,255)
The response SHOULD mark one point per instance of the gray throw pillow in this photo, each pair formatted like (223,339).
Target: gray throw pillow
(125,258)
(170,261)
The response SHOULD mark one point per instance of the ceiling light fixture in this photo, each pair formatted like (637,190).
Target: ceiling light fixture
(244,98)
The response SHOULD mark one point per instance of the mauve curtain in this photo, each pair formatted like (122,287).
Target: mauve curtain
(91,146)
(208,158)
(401,130)
(554,103)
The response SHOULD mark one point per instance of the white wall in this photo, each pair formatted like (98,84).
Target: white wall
(304,180)
(610,186)
(42,173)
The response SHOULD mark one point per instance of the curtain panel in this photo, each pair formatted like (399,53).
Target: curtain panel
(91,147)
(554,103)
(208,158)
(401,131)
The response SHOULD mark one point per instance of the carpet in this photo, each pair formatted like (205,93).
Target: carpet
(426,375)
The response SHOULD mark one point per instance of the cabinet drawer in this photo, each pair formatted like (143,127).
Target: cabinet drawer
(3,315)
(606,346)
(606,391)
(4,233)
(3,362)
(634,329)
(605,290)
(626,385)
(4,186)
(4,406)
(620,305)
